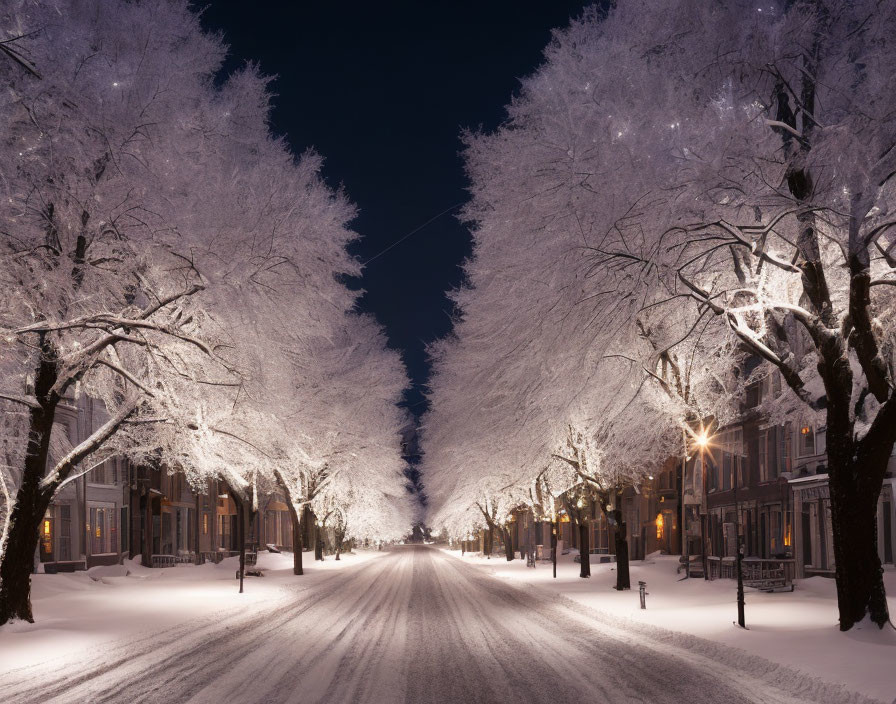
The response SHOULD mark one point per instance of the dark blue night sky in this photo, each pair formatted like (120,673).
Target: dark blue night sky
(382,90)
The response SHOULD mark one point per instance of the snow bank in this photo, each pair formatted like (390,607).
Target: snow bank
(88,611)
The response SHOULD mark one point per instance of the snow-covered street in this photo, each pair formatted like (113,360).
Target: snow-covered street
(414,625)
(323,323)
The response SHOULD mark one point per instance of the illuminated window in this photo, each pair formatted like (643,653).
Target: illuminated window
(659,526)
(806,440)
(46,537)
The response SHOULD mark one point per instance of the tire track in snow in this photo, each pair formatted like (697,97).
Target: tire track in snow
(413,626)
(721,668)
(134,669)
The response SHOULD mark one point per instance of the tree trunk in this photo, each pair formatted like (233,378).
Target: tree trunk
(31,502)
(298,545)
(241,533)
(584,552)
(623,581)
(18,558)
(318,542)
(337,537)
(297,540)
(856,471)
(508,544)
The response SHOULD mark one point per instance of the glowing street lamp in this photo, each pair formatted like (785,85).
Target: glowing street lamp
(701,440)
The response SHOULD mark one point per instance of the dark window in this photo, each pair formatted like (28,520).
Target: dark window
(65,532)
(807,538)
(124,535)
(753,396)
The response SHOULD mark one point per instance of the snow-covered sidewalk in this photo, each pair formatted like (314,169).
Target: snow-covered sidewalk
(797,630)
(81,612)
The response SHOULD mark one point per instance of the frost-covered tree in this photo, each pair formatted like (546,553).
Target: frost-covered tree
(165,254)
(730,173)
(100,284)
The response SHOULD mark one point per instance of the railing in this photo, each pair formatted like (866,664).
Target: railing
(759,573)
(163,560)
(183,557)
(216,556)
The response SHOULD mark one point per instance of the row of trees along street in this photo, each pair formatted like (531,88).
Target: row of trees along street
(163,252)
(677,189)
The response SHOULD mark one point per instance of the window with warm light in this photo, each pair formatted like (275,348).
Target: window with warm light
(46,537)
(806,440)
(659,526)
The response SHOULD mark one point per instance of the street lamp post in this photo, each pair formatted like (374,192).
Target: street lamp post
(702,440)
(741,620)
(554,524)
(682,511)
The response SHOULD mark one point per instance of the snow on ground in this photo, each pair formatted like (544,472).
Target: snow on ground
(80,611)
(415,625)
(797,630)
